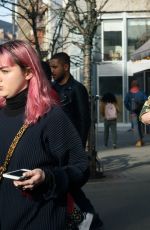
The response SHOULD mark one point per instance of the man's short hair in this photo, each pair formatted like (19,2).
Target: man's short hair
(134,83)
(63,57)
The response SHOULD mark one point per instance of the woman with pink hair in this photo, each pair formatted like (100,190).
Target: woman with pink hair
(36,135)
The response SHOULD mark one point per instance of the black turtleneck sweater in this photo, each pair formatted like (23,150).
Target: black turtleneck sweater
(12,116)
(51,144)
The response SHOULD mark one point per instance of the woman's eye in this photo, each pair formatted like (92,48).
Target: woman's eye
(5,70)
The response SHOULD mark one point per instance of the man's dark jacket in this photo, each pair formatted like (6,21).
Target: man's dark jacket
(75,103)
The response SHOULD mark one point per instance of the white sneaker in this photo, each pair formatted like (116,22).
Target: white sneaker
(86,223)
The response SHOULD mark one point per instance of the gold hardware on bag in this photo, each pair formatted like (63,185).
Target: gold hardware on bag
(11,149)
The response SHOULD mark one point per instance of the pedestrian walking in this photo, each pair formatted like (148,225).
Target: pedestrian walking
(75,103)
(134,101)
(36,135)
(73,95)
(109,110)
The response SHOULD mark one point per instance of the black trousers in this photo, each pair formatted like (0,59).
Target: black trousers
(82,201)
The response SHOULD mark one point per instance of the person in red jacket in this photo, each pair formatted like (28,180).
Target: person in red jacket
(134,101)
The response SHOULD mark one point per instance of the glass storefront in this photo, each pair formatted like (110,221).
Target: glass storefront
(138,33)
(112,40)
(120,38)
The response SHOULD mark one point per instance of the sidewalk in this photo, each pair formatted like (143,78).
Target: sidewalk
(121,197)
(126,156)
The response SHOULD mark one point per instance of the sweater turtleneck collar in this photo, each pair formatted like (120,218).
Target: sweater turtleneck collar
(17,102)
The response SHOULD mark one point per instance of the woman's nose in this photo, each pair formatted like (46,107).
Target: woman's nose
(0,77)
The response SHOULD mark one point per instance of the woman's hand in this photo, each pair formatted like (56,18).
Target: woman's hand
(33,178)
(145,118)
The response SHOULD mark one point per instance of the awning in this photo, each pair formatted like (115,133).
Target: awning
(143,52)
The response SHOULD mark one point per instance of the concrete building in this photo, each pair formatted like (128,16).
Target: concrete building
(6,31)
(124,28)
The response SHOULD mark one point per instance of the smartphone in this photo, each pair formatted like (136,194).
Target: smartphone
(16,175)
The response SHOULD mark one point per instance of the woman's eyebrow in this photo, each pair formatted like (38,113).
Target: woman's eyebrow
(2,67)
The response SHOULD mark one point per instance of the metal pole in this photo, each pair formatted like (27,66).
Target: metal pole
(93,104)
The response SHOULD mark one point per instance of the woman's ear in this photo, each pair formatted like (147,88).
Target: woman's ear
(28,74)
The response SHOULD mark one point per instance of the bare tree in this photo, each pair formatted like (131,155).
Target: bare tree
(29,11)
(58,14)
(31,14)
(82,19)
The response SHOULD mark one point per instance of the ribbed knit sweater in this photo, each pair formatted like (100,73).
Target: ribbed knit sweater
(51,144)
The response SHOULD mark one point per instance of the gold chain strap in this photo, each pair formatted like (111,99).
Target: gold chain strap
(11,149)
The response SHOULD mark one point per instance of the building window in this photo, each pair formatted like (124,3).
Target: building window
(138,34)
(112,40)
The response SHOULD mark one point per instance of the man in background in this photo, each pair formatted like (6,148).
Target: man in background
(134,101)
(75,103)
(73,95)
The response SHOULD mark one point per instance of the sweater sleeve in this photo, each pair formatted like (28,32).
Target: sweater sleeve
(72,168)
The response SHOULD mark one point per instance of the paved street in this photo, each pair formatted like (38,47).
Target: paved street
(122,196)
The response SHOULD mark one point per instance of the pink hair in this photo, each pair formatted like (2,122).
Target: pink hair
(40,97)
